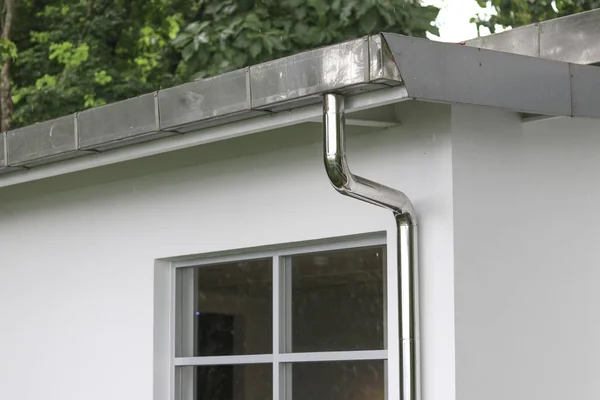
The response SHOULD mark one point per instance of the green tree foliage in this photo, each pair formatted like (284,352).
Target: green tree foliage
(68,55)
(515,13)
(231,34)
(75,54)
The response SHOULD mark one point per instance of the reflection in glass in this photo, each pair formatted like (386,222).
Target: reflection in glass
(343,380)
(228,382)
(338,300)
(233,309)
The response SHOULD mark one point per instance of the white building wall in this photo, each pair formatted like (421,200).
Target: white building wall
(527,259)
(77,253)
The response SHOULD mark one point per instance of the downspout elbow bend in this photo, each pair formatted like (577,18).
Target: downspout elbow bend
(374,193)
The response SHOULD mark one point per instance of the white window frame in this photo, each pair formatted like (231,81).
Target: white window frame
(279,359)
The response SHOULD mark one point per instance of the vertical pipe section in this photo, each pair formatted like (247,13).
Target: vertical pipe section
(374,193)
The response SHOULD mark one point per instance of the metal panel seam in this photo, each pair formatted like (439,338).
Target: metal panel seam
(249,89)
(76,129)
(538,31)
(156,111)
(571,89)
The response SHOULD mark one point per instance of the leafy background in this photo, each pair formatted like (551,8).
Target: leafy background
(59,57)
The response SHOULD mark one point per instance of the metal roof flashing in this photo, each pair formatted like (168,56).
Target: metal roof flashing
(420,69)
(574,38)
(356,66)
(454,73)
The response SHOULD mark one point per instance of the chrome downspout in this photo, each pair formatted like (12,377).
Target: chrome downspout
(363,189)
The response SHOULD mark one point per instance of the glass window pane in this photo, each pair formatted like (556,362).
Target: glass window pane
(338,300)
(226,382)
(343,380)
(232,309)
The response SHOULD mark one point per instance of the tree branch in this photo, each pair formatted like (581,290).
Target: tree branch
(89,12)
(6,104)
(7,16)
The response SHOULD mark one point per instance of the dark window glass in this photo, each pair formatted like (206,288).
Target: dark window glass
(344,380)
(229,382)
(232,313)
(338,300)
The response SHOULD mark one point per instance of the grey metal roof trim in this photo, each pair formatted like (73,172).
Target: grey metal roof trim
(351,67)
(430,71)
(574,38)
(453,73)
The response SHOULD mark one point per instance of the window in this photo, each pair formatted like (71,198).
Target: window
(303,324)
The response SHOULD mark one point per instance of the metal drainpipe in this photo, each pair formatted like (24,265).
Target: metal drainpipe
(372,192)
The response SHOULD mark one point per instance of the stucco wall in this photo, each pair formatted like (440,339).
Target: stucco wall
(526,234)
(77,252)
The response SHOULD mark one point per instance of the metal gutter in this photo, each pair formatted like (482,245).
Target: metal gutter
(353,67)
(574,38)
(354,103)
(429,71)
(398,203)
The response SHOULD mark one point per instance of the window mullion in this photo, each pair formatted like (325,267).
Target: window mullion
(284,391)
(329,356)
(188,303)
(186,322)
(278,275)
(276,326)
(224,360)
(386,381)
(286,312)
(285,382)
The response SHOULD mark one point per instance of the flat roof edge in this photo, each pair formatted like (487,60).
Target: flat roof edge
(308,113)
(454,73)
(426,70)
(574,38)
(356,66)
